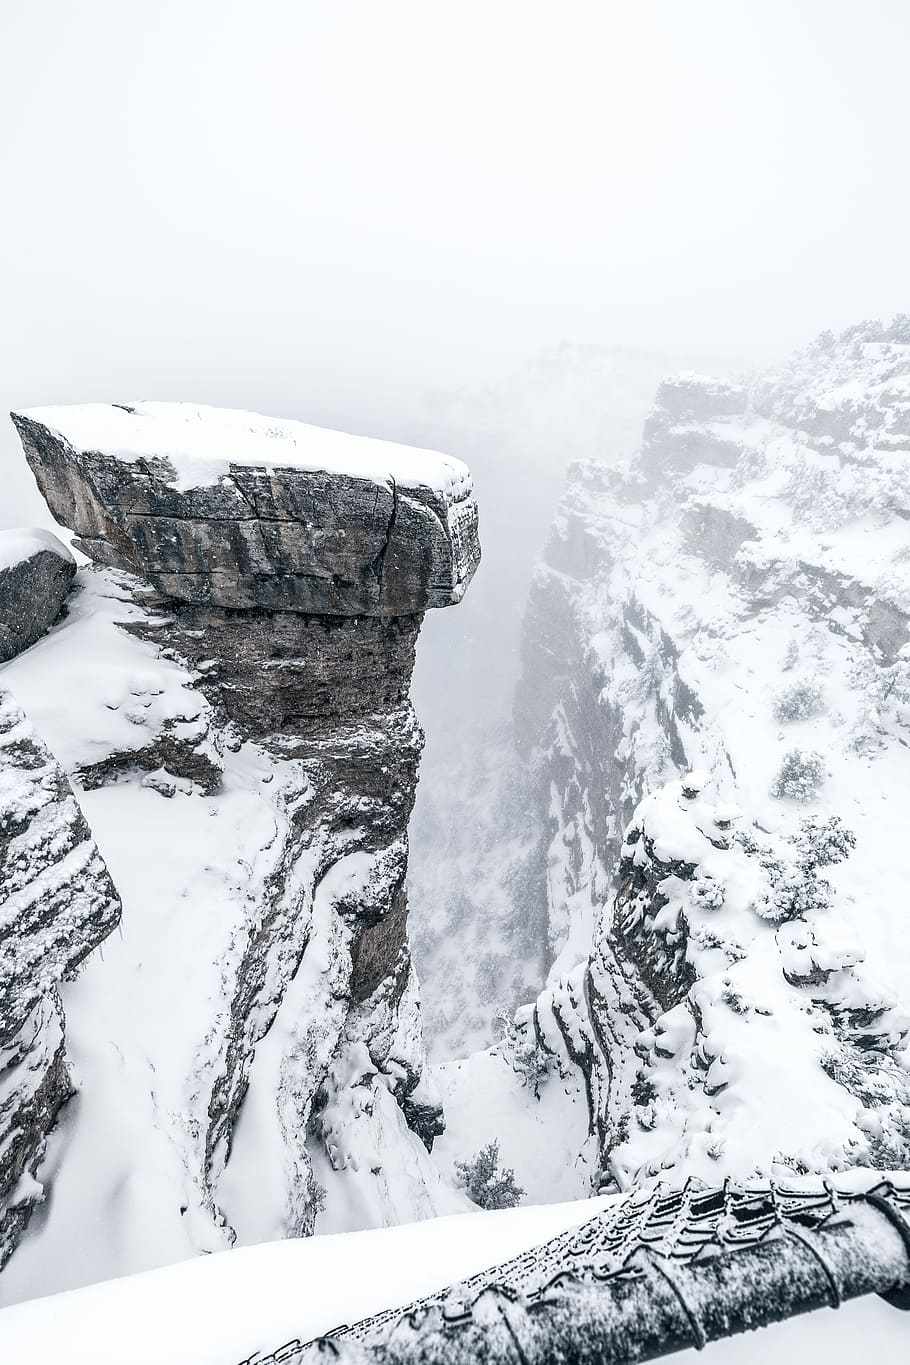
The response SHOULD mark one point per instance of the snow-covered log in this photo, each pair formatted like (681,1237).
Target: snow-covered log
(655,1272)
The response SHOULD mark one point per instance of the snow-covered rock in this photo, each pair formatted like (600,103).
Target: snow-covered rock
(231,509)
(57,903)
(239,725)
(36,573)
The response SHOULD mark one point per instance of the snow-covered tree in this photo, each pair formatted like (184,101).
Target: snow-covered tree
(794,888)
(801,774)
(799,701)
(530,1062)
(488,1184)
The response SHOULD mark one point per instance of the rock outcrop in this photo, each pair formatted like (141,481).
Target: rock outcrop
(36,574)
(305,584)
(57,903)
(228,509)
(271,581)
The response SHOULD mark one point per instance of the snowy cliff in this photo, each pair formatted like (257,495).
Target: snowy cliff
(229,695)
(714,706)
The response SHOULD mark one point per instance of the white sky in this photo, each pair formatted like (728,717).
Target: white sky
(317,209)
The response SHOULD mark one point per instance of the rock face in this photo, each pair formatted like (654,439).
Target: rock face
(307,584)
(266,582)
(238,511)
(36,573)
(57,903)
(733,599)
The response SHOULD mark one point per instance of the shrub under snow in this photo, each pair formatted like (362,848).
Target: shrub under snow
(794,887)
(824,842)
(799,701)
(791,657)
(799,776)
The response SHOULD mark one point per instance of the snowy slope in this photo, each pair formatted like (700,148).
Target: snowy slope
(153,1020)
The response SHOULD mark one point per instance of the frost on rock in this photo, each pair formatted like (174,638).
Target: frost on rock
(57,903)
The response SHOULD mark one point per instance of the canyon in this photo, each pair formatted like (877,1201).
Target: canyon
(657,912)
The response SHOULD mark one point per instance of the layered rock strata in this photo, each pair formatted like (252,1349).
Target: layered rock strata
(57,903)
(234,510)
(283,572)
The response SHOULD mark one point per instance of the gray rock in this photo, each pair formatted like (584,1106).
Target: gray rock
(714,533)
(36,573)
(289,673)
(273,534)
(700,398)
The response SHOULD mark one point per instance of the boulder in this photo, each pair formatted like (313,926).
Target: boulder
(36,573)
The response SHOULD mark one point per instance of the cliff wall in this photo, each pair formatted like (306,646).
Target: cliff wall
(732,601)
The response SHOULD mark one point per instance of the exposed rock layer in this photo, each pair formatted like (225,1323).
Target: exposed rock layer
(57,903)
(274,537)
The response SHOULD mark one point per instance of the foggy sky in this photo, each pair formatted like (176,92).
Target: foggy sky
(319,209)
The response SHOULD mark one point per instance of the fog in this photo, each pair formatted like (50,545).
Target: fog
(330,210)
(489,227)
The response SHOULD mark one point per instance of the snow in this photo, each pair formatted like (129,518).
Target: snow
(19,545)
(220,1309)
(364,1185)
(148,1015)
(187,866)
(142,1012)
(540,1139)
(650,607)
(203,443)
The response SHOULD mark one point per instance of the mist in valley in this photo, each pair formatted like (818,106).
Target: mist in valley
(503,231)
